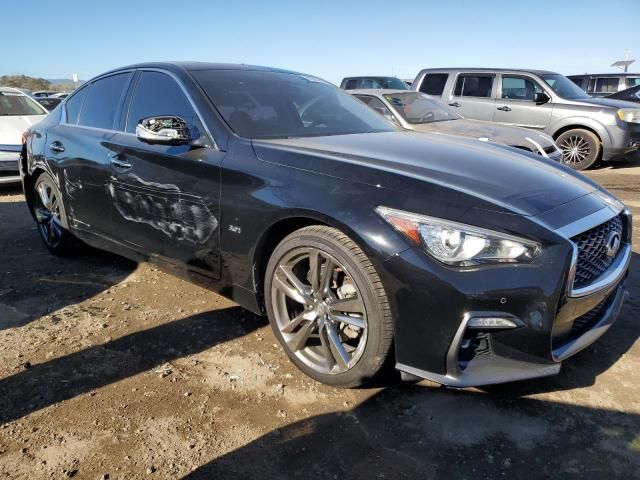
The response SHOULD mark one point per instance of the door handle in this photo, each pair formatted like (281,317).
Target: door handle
(454,104)
(117,162)
(56,147)
(120,164)
(504,109)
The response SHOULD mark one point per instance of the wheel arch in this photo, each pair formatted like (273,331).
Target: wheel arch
(280,229)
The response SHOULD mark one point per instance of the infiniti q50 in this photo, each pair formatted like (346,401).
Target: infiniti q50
(365,245)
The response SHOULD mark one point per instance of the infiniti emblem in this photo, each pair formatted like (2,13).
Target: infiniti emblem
(613,244)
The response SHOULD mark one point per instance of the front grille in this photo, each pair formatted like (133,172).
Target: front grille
(592,252)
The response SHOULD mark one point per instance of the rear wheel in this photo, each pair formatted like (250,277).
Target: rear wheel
(580,148)
(327,307)
(50,215)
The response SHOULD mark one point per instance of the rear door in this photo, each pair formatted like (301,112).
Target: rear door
(472,95)
(78,145)
(515,103)
(166,198)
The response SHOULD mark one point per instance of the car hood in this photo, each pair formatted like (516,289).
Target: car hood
(12,127)
(608,102)
(500,178)
(488,132)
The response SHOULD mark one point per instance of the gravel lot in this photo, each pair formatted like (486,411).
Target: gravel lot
(114,370)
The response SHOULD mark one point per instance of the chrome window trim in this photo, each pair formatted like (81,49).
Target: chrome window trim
(63,120)
(619,266)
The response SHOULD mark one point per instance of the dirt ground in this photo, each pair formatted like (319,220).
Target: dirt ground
(112,370)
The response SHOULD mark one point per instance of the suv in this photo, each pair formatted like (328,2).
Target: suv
(353,83)
(603,84)
(585,129)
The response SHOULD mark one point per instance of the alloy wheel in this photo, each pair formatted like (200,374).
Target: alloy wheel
(575,150)
(47,212)
(319,310)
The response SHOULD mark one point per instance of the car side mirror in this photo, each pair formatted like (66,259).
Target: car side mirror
(540,98)
(168,130)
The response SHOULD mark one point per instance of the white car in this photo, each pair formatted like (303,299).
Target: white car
(18,112)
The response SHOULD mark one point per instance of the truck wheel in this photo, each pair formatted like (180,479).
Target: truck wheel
(327,307)
(49,213)
(580,148)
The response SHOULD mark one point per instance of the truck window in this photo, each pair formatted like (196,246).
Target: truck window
(472,85)
(433,83)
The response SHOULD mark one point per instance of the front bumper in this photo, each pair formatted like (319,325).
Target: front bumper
(625,142)
(9,164)
(434,339)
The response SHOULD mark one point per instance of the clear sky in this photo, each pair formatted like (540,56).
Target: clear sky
(331,39)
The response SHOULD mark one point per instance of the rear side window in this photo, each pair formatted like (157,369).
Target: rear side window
(433,83)
(577,80)
(102,101)
(603,85)
(157,94)
(74,104)
(469,85)
(351,84)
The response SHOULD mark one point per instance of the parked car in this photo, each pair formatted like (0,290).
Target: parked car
(585,129)
(18,112)
(477,264)
(49,102)
(43,93)
(630,94)
(352,83)
(420,112)
(604,84)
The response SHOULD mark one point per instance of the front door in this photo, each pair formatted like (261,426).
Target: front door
(515,103)
(166,198)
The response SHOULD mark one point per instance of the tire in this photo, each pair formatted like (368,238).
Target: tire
(580,148)
(311,317)
(50,216)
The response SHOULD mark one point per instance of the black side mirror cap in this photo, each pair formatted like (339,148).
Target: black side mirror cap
(541,97)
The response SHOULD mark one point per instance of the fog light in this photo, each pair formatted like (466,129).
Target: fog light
(490,323)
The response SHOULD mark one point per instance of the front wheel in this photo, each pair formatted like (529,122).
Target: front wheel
(327,307)
(580,148)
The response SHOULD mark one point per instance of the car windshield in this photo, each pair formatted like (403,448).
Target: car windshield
(564,87)
(17,104)
(260,104)
(417,108)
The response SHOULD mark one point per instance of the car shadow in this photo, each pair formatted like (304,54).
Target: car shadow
(34,282)
(63,378)
(422,432)
(630,161)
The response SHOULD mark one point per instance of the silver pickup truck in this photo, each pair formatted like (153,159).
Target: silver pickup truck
(585,129)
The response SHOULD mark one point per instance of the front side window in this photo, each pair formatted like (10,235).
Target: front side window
(519,88)
(469,85)
(417,108)
(563,87)
(632,81)
(14,104)
(102,101)
(433,83)
(263,104)
(603,85)
(157,94)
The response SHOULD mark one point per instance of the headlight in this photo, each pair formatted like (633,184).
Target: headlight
(630,115)
(459,244)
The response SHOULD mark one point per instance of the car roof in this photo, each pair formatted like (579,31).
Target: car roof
(378,91)
(13,90)
(622,74)
(490,70)
(195,66)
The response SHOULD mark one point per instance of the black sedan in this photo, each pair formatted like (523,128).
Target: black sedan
(630,94)
(452,259)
